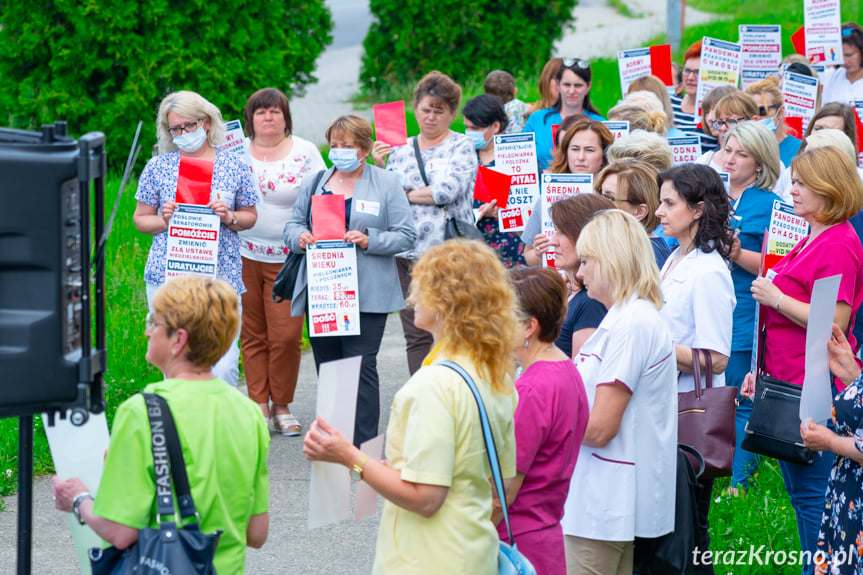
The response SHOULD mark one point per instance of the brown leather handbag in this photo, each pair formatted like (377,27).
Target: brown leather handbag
(705,419)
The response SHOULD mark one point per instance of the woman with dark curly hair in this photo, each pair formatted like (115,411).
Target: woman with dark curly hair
(696,282)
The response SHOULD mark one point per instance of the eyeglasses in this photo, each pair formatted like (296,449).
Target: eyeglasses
(570,62)
(151,322)
(730,123)
(848,31)
(187,127)
(690,71)
(762,111)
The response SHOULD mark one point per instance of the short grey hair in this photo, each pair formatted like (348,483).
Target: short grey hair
(190,105)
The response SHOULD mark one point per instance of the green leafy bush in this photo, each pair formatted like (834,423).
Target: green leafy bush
(465,40)
(105,64)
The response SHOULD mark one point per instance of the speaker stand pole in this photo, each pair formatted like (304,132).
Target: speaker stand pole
(25,494)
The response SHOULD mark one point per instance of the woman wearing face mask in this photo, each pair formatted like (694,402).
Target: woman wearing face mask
(189,126)
(771,111)
(574,80)
(483,118)
(843,84)
(270,336)
(581,151)
(379,222)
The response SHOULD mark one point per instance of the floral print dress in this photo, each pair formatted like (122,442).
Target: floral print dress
(841,535)
(508,245)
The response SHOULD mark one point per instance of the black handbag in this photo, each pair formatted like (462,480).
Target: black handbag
(671,554)
(173,547)
(454,228)
(773,428)
(286,279)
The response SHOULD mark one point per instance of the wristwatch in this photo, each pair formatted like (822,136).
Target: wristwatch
(76,505)
(357,469)
(234,220)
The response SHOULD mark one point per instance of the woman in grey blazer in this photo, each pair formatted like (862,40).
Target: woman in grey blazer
(379,222)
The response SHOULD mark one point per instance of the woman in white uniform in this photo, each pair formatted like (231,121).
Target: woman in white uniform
(619,489)
(696,282)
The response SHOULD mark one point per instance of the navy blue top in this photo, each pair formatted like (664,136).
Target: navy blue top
(661,250)
(581,312)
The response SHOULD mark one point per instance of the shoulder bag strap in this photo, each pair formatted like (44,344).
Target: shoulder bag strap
(168,461)
(419,158)
(708,368)
(696,372)
(488,437)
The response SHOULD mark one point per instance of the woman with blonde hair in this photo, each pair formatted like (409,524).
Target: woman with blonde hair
(631,185)
(651,83)
(647,147)
(435,479)
(730,111)
(639,118)
(771,113)
(619,489)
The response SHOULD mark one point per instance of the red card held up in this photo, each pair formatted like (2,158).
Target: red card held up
(798,40)
(390,124)
(554,128)
(857,119)
(660,63)
(492,185)
(194,181)
(328,217)
(794,126)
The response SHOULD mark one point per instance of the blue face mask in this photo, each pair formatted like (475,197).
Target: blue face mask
(191,142)
(478,138)
(768,123)
(344,159)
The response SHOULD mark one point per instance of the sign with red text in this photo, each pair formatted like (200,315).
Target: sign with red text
(334,305)
(515,154)
(685,149)
(633,64)
(822,25)
(801,95)
(193,242)
(617,128)
(762,52)
(785,231)
(720,66)
(556,187)
(234,137)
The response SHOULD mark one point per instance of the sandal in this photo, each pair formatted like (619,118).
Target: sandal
(271,425)
(287,424)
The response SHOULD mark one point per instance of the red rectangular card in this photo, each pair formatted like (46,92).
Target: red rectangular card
(492,185)
(660,63)
(794,126)
(859,130)
(328,217)
(194,181)
(554,128)
(798,40)
(390,124)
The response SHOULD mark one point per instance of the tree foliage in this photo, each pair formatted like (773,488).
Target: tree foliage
(464,39)
(102,65)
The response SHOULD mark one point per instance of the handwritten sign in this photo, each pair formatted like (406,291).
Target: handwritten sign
(822,23)
(515,154)
(193,242)
(720,66)
(618,129)
(334,305)
(801,95)
(556,187)
(685,149)
(762,52)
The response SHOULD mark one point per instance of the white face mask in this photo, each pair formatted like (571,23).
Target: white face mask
(191,142)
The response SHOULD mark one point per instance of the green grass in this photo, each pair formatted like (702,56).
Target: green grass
(622,8)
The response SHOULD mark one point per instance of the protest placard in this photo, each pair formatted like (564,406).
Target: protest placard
(801,95)
(334,305)
(858,118)
(491,185)
(193,242)
(784,232)
(556,187)
(390,124)
(685,149)
(617,128)
(762,52)
(328,217)
(515,154)
(822,25)
(194,181)
(720,66)
(640,62)
(234,137)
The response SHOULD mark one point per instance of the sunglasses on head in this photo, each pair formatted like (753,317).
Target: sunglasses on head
(848,31)
(762,111)
(570,62)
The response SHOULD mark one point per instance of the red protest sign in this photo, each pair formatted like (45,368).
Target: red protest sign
(492,185)
(390,124)
(554,128)
(660,63)
(794,126)
(328,217)
(194,181)
(798,40)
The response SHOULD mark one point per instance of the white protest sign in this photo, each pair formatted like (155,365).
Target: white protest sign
(720,66)
(801,95)
(330,483)
(333,292)
(557,187)
(632,64)
(79,451)
(823,31)
(515,155)
(234,137)
(762,52)
(193,242)
(618,129)
(816,399)
(366,502)
(685,150)
(785,231)
(726,181)
(858,109)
